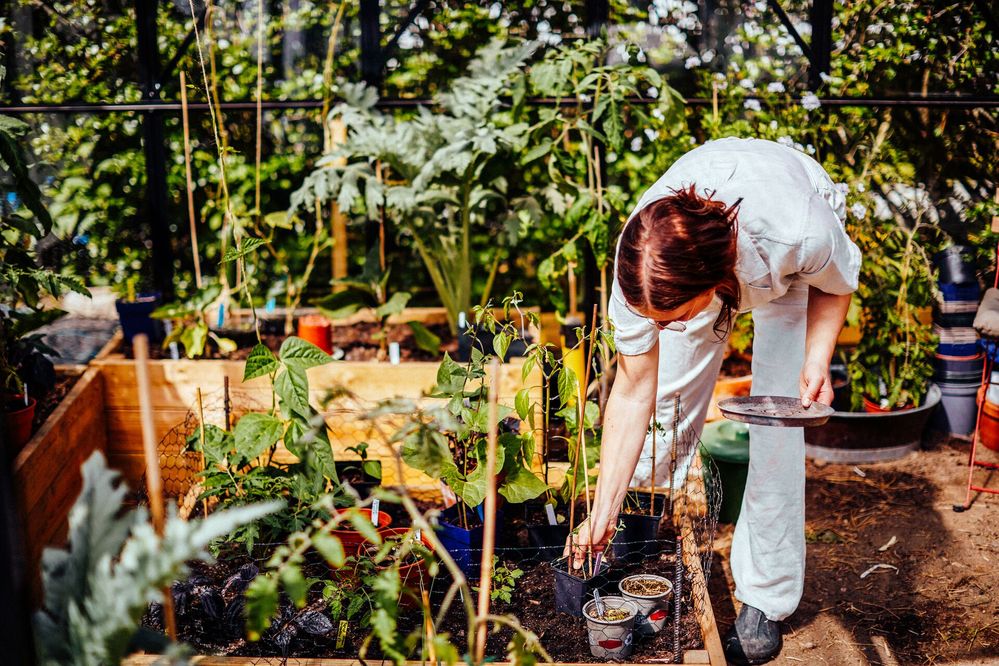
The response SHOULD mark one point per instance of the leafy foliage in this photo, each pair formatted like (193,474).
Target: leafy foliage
(97,589)
(190,327)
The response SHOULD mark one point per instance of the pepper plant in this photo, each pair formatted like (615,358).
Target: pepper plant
(439,175)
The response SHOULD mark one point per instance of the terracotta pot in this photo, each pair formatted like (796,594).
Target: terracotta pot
(411,575)
(18,419)
(352,539)
(988,427)
(316,329)
(872,407)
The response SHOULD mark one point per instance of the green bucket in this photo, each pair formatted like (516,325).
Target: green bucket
(726,443)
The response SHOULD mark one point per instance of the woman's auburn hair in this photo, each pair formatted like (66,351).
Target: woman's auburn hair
(676,249)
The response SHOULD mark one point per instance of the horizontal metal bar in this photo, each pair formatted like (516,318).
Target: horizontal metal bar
(986,465)
(948,101)
(994,491)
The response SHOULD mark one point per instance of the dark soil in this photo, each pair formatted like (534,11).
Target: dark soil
(209,609)
(355,341)
(645,587)
(51,400)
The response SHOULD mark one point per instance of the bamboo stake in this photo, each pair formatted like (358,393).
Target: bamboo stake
(581,444)
(190,179)
(652,477)
(260,96)
(227,406)
(154,484)
(489,519)
(672,455)
(428,623)
(572,288)
(201,420)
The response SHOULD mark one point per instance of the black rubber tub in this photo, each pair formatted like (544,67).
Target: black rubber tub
(859,437)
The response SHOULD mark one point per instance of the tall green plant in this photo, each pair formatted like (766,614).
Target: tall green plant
(442,172)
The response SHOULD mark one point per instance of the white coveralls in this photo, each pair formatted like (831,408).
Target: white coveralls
(790,237)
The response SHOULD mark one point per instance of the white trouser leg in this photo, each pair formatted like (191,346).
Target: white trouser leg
(768,549)
(688,364)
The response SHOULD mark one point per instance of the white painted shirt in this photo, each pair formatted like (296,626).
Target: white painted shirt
(790,226)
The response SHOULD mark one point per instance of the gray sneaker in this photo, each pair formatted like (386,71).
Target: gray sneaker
(753,639)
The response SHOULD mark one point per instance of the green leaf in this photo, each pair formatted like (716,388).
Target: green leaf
(194,339)
(292,386)
(424,338)
(218,444)
(521,485)
(298,352)
(261,605)
(226,346)
(261,361)
(331,548)
(365,527)
(539,150)
(501,343)
(246,246)
(568,386)
(294,584)
(372,468)
(450,377)
(255,433)
(393,306)
(426,450)
(344,303)
(522,402)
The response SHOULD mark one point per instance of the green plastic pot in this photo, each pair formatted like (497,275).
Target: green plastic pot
(726,443)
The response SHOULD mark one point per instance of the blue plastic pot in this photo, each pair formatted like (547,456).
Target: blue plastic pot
(464,545)
(135,317)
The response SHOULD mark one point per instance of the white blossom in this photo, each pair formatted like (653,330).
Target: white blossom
(651,134)
(652,92)
(775,87)
(810,101)
(708,56)
(785,141)
(751,105)
(692,62)
(747,84)
(636,144)
(810,149)
(773,124)
(859,210)
(842,188)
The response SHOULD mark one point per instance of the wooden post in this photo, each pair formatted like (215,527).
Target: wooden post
(338,221)
(489,517)
(154,485)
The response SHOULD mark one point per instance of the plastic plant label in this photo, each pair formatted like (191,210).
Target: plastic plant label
(395,355)
(374,511)
(221,319)
(419,534)
(271,305)
(550,511)
(341,634)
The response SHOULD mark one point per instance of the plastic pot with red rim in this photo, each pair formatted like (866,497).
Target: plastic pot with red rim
(351,538)
(872,407)
(611,633)
(651,594)
(316,329)
(17,420)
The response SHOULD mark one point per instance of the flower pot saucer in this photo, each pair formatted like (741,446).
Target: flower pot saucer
(773,410)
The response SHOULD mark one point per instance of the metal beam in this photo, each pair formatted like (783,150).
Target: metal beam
(154,147)
(414,11)
(597,16)
(184,46)
(821,18)
(371,42)
(786,21)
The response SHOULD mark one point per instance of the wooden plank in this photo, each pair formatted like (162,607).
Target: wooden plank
(149,660)
(47,471)
(702,609)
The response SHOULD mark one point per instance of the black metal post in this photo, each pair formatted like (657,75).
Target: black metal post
(15,616)
(154,147)
(597,16)
(371,42)
(820,16)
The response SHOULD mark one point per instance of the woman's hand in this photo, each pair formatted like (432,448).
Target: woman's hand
(815,384)
(579,544)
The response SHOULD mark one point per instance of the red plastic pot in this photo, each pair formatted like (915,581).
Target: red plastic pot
(988,427)
(872,407)
(352,539)
(18,419)
(316,329)
(410,575)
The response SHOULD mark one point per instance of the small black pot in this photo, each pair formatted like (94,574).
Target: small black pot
(571,591)
(135,317)
(353,472)
(638,537)
(546,541)
(841,387)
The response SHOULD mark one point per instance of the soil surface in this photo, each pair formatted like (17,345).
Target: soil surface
(354,342)
(941,604)
(209,609)
(48,404)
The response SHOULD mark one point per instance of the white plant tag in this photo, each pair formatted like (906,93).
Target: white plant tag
(550,510)
(419,535)
(374,511)
(394,353)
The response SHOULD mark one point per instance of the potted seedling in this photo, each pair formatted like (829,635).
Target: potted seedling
(406,549)
(363,526)
(362,475)
(641,515)
(547,527)
(610,623)
(26,372)
(135,310)
(651,594)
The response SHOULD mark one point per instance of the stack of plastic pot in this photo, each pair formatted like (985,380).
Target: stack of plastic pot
(958,363)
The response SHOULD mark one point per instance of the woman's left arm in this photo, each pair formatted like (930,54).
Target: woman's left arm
(826,313)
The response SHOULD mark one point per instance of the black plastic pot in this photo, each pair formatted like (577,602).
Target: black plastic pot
(546,541)
(638,536)
(572,591)
(955,265)
(135,318)
(352,471)
(841,387)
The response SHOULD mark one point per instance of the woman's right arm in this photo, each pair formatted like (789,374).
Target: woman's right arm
(626,422)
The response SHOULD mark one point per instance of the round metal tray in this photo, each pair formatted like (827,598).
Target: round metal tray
(775,410)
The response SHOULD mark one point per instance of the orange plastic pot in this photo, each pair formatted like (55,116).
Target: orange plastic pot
(411,575)
(316,329)
(18,419)
(872,407)
(988,427)
(352,539)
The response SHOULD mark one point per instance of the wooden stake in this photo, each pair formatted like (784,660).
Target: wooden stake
(489,518)
(190,180)
(572,288)
(154,485)
(581,443)
(226,404)
(260,96)
(672,455)
(652,479)
(201,420)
